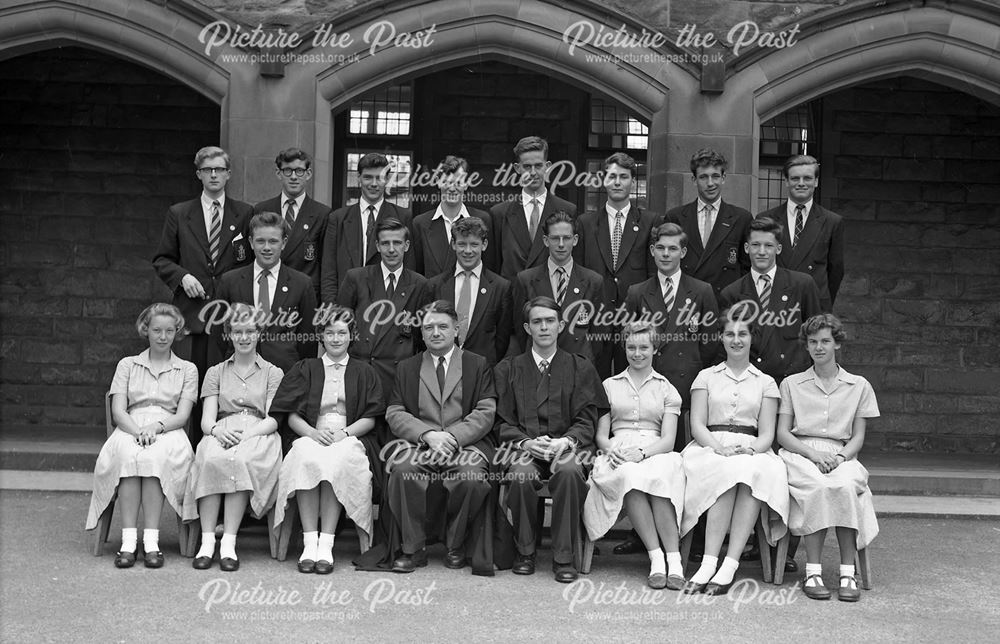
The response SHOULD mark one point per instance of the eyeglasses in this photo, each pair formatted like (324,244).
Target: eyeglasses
(212,171)
(298,172)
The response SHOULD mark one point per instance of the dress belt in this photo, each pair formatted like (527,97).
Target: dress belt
(736,429)
(242,412)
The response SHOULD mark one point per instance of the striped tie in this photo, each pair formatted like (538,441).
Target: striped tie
(213,235)
(616,239)
(290,213)
(765,291)
(561,285)
(799,215)
(668,294)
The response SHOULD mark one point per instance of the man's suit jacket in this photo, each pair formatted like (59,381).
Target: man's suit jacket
(635,263)
(466,410)
(490,324)
(514,249)
(775,348)
(688,331)
(573,401)
(304,250)
(431,247)
(383,344)
(724,259)
(819,251)
(184,249)
(280,344)
(583,300)
(343,250)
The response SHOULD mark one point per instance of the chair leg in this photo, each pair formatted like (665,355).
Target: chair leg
(779,559)
(287,528)
(541,522)
(863,564)
(765,553)
(588,555)
(188,535)
(272,539)
(686,548)
(103,527)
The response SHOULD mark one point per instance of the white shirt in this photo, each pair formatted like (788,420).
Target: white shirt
(272,282)
(477,274)
(538,359)
(526,204)
(364,217)
(613,214)
(297,201)
(554,276)
(439,214)
(756,277)
(206,209)
(385,275)
(790,210)
(701,215)
(328,362)
(675,280)
(447,358)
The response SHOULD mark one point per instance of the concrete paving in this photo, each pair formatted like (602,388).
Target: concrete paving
(934,580)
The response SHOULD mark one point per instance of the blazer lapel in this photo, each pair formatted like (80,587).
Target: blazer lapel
(689,224)
(352,235)
(196,222)
(810,233)
(281,290)
(652,299)
(543,286)
(303,220)
(228,226)
(629,234)
(723,224)
(537,245)
(454,374)
(428,376)
(486,289)
(518,225)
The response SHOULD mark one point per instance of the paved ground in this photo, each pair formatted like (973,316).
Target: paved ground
(934,579)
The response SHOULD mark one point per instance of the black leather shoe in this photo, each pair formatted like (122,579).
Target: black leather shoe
(307,566)
(409,563)
(324,567)
(201,563)
(675,582)
(632,545)
(818,591)
(524,565)
(692,588)
(753,554)
(791,566)
(154,559)
(717,589)
(849,593)
(455,559)
(564,573)
(228,564)
(124,560)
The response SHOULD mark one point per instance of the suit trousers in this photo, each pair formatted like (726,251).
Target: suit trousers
(465,478)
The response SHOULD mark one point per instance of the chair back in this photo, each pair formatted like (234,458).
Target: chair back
(109,421)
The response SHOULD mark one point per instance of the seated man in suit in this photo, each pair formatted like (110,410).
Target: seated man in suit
(349,240)
(614,242)
(575,288)
(385,298)
(516,223)
(284,297)
(813,240)
(548,403)
(202,239)
(432,231)
(441,412)
(715,229)
(481,297)
(306,217)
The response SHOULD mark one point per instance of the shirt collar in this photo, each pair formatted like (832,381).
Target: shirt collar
(675,278)
(329,362)
(258,269)
(385,272)
(842,376)
(526,200)
(439,213)
(143,359)
(363,204)
(447,358)
(722,367)
(206,201)
(553,267)
(476,272)
(257,360)
(653,375)
(538,359)
(612,213)
(770,273)
(792,205)
(715,205)
(298,202)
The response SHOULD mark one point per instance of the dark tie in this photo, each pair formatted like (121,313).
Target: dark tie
(800,212)
(290,213)
(668,294)
(390,291)
(213,235)
(765,291)
(543,367)
(464,305)
(370,234)
(263,293)
(616,239)
(440,374)
(535,215)
(543,380)
(561,282)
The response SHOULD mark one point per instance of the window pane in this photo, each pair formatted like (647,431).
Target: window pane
(386,112)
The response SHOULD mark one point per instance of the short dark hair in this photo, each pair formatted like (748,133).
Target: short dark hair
(707,157)
(440,306)
(337,313)
(391,224)
(469,227)
(453,164)
(372,160)
(817,323)
(268,220)
(531,144)
(559,217)
(543,301)
(293,154)
(668,229)
(799,159)
(623,160)
(765,225)
(739,312)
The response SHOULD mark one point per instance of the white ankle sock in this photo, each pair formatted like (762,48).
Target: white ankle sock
(847,571)
(813,569)
(309,542)
(706,570)
(656,563)
(726,571)
(130,536)
(207,545)
(151,540)
(674,564)
(227,547)
(324,548)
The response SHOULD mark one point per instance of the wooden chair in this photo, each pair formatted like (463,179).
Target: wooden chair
(291,524)
(104,523)
(861,562)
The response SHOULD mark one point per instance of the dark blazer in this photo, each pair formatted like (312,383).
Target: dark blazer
(724,260)
(490,325)
(689,344)
(342,248)
(583,300)
(775,349)
(477,385)
(513,249)
(431,247)
(383,345)
(574,401)
(819,253)
(280,344)
(184,249)
(635,262)
(304,250)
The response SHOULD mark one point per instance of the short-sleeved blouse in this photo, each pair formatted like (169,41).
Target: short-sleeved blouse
(735,400)
(642,407)
(145,386)
(827,414)
(332,401)
(251,395)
